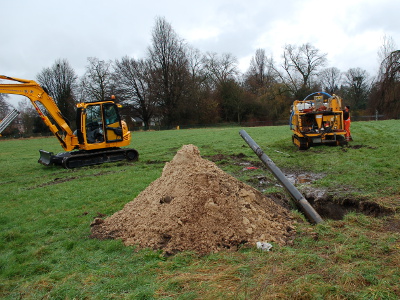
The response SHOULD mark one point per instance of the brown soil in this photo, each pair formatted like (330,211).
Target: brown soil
(196,206)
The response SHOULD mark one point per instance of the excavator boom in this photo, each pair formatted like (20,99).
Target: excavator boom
(40,99)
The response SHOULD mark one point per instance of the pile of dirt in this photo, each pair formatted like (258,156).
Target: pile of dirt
(196,206)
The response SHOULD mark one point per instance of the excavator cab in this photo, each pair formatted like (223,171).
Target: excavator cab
(100,123)
(100,134)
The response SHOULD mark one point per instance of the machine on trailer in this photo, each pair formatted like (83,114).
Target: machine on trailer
(100,133)
(317,121)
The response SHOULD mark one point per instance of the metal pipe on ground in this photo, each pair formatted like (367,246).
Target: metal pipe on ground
(304,205)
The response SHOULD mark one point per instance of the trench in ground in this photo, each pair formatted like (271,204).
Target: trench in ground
(329,205)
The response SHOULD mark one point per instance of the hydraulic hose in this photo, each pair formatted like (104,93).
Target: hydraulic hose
(326,94)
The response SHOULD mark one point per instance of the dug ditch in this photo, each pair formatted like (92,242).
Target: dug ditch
(329,204)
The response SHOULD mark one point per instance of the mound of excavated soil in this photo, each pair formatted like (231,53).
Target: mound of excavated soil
(196,206)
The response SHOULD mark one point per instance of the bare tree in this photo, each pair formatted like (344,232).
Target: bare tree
(169,70)
(200,107)
(195,64)
(260,74)
(300,66)
(388,46)
(4,106)
(96,83)
(60,83)
(222,74)
(385,96)
(330,79)
(357,87)
(28,116)
(134,86)
(220,69)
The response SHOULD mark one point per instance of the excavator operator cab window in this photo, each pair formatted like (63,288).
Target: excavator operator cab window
(113,123)
(94,124)
(111,114)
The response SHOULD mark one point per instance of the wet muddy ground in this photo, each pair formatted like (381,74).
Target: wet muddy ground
(329,204)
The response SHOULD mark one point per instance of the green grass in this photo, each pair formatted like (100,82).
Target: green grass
(45,216)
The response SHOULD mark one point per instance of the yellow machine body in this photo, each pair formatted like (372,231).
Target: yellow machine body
(317,121)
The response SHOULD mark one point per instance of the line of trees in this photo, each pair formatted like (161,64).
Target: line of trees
(176,84)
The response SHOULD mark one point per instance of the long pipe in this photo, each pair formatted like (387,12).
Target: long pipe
(305,206)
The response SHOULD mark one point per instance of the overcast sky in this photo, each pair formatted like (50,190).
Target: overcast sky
(34,34)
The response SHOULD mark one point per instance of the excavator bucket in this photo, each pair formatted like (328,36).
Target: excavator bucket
(46,158)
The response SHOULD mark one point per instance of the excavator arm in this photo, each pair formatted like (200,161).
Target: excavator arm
(36,94)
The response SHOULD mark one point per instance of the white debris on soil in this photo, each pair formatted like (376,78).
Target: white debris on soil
(264,246)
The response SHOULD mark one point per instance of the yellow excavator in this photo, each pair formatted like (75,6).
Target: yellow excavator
(100,133)
(317,121)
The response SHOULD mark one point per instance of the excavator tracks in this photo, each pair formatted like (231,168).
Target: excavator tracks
(301,142)
(78,159)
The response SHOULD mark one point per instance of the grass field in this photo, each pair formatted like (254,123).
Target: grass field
(45,216)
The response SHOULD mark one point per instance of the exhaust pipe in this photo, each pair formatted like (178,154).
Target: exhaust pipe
(304,205)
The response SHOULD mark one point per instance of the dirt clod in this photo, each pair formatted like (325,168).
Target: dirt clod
(196,206)
(97,221)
